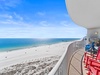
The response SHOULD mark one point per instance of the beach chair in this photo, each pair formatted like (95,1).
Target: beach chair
(93,71)
(93,61)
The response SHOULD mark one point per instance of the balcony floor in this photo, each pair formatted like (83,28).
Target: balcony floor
(76,63)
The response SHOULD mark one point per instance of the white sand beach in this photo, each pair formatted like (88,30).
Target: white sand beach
(31,61)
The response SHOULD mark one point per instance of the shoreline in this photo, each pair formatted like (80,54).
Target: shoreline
(7,59)
(26,47)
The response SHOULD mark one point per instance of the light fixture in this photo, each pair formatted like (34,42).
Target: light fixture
(96,32)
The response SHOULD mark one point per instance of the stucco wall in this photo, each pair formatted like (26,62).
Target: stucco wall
(93,34)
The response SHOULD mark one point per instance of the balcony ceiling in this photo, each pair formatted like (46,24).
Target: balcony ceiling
(85,13)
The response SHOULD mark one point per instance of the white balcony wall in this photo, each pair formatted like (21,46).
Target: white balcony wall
(62,66)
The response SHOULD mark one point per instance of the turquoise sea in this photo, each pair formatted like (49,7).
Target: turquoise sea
(17,43)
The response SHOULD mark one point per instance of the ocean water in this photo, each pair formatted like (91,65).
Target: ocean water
(17,43)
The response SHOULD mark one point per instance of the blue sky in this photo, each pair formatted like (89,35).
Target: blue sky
(37,19)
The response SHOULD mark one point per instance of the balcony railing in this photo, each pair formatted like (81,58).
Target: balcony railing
(62,66)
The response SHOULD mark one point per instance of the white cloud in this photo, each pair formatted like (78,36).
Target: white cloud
(64,23)
(6,16)
(13,20)
(66,15)
(5,4)
(41,13)
(18,16)
(44,23)
(12,23)
(11,28)
(47,24)
(42,32)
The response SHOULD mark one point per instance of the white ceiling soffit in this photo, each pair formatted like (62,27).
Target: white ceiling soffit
(85,13)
